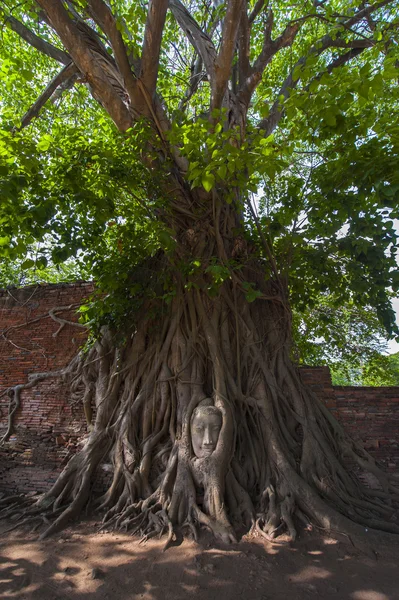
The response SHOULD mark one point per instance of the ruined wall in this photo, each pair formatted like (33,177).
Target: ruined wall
(50,425)
(369,414)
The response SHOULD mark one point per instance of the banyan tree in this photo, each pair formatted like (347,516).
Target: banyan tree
(215,164)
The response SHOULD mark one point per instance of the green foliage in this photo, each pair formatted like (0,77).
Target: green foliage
(86,202)
(29,271)
(78,200)
(344,337)
(378,370)
(331,215)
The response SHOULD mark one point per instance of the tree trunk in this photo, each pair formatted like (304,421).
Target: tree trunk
(203,415)
(201,412)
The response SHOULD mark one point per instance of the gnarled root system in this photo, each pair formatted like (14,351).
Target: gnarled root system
(279,456)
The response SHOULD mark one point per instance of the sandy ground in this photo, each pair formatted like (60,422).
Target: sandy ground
(84,564)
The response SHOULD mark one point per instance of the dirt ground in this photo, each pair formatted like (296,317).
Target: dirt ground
(84,564)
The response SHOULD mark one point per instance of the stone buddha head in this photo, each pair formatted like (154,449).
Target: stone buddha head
(206,423)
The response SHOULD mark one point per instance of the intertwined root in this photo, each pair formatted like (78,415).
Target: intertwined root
(280,456)
(275,516)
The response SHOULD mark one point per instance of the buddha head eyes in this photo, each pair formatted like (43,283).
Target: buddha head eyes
(201,428)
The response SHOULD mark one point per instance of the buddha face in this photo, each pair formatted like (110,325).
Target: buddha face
(206,424)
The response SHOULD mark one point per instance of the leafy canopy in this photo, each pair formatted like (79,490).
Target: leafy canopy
(296,124)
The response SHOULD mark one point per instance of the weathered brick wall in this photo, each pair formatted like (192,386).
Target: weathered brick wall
(371,416)
(50,426)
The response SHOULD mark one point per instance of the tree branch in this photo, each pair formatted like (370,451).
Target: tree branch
(357,46)
(256,10)
(152,44)
(269,49)
(344,58)
(224,59)
(140,99)
(365,12)
(66,85)
(270,123)
(244,66)
(106,20)
(197,76)
(197,38)
(37,42)
(87,63)
(55,83)
(363,43)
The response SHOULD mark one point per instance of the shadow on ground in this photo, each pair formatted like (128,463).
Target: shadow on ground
(83,564)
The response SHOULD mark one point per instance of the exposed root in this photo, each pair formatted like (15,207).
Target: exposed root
(277,516)
(259,527)
(278,454)
(14,393)
(41,519)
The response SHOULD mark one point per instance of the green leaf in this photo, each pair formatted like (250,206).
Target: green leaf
(208,181)
(28,264)
(45,143)
(222,171)
(330,119)
(41,262)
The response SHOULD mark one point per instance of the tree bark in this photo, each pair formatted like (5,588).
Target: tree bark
(225,336)
(280,457)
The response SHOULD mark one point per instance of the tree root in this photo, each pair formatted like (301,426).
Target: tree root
(277,515)
(279,455)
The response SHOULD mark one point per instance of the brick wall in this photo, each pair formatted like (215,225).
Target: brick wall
(369,414)
(50,427)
